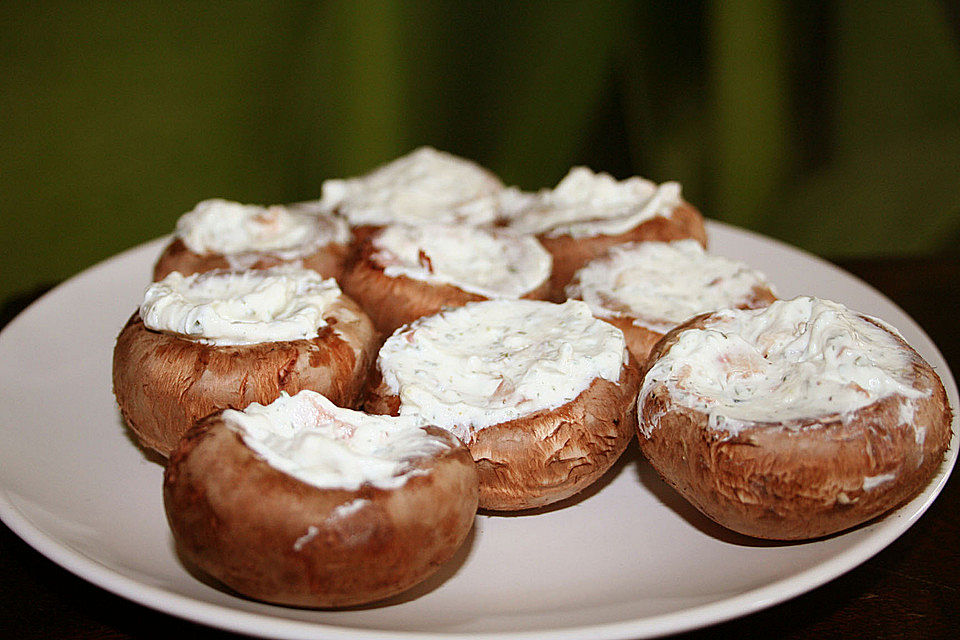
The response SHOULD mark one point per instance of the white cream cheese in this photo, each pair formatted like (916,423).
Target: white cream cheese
(305,539)
(321,444)
(872,482)
(513,203)
(586,204)
(493,361)
(797,359)
(424,186)
(240,307)
(240,231)
(661,284)
(494,264)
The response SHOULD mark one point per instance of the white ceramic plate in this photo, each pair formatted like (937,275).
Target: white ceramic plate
(630,560)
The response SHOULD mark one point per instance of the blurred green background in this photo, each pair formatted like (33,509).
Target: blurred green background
(834,125)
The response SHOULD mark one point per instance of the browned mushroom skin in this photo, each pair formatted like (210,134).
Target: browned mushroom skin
(569,253)
(328,261)
(363,232)
(395,301)
(164,383)
(551,454)
(271,537)
(798,480)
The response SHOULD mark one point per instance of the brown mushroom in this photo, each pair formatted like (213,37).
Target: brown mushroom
(550,455)
(803,478)
(539,436)
(164,382)
(570,253)
(392,301)
(328,260)
(271,536)
(644,289)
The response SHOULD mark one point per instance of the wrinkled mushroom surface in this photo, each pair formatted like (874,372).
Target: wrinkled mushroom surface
(272,537)
(550,455)
(165,382)
(328,260)
(393,301)
(803,478)
(571,253)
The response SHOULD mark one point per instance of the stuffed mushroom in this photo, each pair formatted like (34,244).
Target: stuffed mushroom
(220,234)
(794,421)
(587,213)
(647,288)
(223,339)
(303,503)
(423,187)
(542,394)
(405,272)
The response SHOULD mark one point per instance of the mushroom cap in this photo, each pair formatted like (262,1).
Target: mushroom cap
(571,253)
(164,383)
(328,260)
(801,479)
(549,455)
(270,536)
(392,302)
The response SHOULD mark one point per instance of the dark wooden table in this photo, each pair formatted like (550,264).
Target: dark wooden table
(909,590)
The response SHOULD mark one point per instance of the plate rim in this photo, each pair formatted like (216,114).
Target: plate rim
(232,619)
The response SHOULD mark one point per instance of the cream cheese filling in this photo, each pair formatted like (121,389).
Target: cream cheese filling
(423,186)
(240,231)
(223,307)
(490,362)
(795,360)
(321,444)
(493,264)
(586,204)
(660,284)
